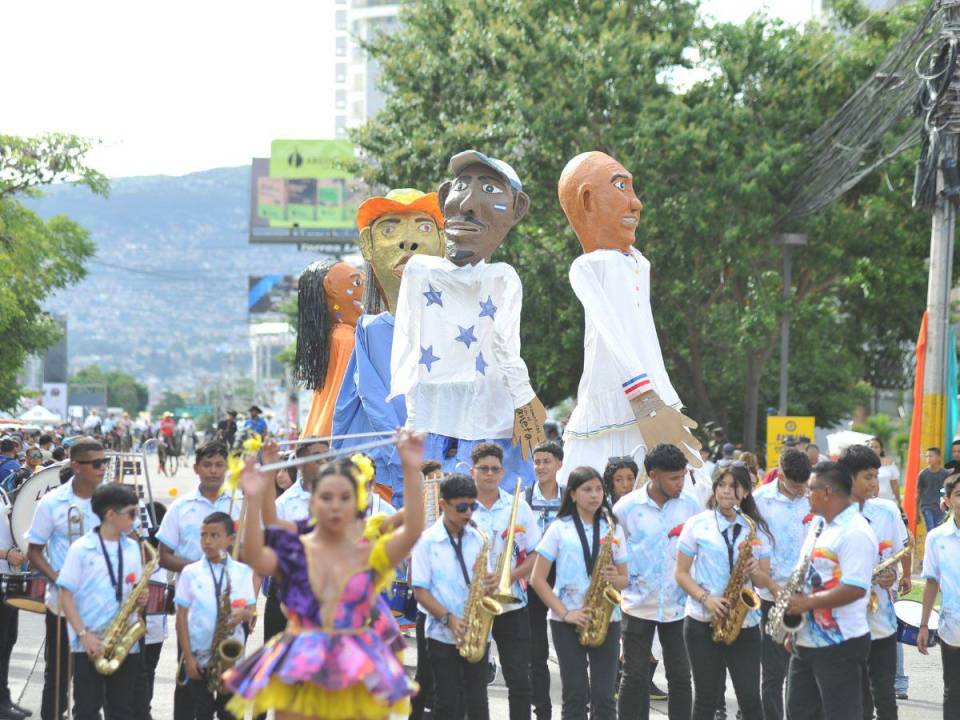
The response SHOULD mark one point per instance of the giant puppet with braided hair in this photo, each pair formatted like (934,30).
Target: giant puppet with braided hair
(625,401)
(393,228)
(328,306)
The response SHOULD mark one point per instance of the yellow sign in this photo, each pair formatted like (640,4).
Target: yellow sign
(779,428)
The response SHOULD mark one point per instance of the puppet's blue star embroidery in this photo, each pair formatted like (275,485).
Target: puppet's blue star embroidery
(487,308)
(427,357)
(433,296)
(466,335)
(481,364)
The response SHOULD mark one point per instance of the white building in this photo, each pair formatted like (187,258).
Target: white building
(356,95)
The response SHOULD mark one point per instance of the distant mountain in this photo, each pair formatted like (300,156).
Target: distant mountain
(166,296)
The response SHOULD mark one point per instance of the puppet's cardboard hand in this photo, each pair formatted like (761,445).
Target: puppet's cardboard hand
(528,423)
(660,423)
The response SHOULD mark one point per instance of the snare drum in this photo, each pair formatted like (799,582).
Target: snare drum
(908,622)
(160,598)
(24,591)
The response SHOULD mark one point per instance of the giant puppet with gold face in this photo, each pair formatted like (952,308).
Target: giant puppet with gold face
(456,347)
(403,224)
(625,402)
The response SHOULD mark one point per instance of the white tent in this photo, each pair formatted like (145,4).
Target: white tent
(40,415)
(839,441)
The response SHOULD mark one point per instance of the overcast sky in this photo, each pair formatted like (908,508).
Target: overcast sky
(192,85)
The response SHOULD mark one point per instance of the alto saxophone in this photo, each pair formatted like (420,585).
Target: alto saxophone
(601,597)
(779,623)
(120,635)
(480,608)
(740,599)
(874,603)
(225,650)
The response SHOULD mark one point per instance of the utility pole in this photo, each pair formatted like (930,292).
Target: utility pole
(940,280)
(788,241)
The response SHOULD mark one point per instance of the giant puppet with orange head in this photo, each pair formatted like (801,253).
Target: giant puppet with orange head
(625,402)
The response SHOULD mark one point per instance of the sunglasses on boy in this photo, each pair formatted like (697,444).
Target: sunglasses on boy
(465,506)
(96,464)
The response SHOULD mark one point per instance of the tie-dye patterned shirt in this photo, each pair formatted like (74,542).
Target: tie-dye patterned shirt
(652,533)
(844,553)
(787,519)
(561,546)
(702,538)
(493,521)
(887,525)
(941,562)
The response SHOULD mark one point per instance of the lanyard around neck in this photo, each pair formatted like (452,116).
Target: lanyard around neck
(115,580)
(458,550)
(589,553)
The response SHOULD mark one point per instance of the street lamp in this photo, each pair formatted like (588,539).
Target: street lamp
(788,241)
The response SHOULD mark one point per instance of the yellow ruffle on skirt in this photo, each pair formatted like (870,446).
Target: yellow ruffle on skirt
(352,703)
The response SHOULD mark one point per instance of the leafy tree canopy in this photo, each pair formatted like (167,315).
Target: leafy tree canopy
(122,389)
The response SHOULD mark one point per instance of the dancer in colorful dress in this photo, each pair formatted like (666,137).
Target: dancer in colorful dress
(331,662)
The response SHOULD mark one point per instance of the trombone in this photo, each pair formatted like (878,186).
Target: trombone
(329,454)
(328,438)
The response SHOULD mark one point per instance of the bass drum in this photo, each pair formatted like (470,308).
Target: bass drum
(27,497)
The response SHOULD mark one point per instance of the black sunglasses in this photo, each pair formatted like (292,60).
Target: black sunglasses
(97,464)
(464,506)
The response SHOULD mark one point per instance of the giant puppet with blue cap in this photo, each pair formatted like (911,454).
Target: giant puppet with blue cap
(625,401)
(393,229)
(456,345)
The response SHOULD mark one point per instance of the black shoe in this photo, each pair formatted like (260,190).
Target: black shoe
(902,695)
(656,693)
(8,712)
(720,714)
(23,710)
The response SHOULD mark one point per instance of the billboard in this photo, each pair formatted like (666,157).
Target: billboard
(781,427)
(55,358)
(55,398)
(265,293)
(304,192)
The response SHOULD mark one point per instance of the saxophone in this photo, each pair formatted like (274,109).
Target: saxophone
(120,635)
(740,599)
(480,609)
(874,603)
(224,649)
(779,623)
(601,597)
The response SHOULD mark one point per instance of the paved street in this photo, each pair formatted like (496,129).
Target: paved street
(926,686)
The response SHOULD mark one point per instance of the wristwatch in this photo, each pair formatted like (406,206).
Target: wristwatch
(445,619)
(81,634)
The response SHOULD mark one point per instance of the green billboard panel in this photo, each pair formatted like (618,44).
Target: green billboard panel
(311,159)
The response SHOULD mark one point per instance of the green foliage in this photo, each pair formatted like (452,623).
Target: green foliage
(168,402)
(122,389)
(880,426)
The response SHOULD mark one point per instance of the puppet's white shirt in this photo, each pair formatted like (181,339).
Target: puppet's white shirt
(456,348)
(621,353)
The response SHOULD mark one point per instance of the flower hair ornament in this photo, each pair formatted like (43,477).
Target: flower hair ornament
(363,475)
(236,463)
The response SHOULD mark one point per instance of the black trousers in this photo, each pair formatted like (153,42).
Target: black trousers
(709,662)
(113,693)
(461,686)
(143,690)
(879,679)
(774,660)
(203,704)
(539,655)
(511,632)
(634,700)
(824,683)
(577,687)
(50,653)
(274,621)
(9,624)
(950,657)
(424,676)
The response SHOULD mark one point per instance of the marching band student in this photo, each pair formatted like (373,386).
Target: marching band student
(442,566)
(572,543)
(62,515)
(153,640)
(829,653)
(783,504)
(652,517)
(709,549)
(544,498)
(11,560)
(98,573)
(941,569)
(511,629)
(620,477)
(198,597)
(863,464)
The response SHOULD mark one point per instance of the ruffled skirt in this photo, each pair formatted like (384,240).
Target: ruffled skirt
(316,673)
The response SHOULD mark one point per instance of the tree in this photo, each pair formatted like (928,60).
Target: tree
(169,402)
(715,160)
(37,257)
(122,389)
